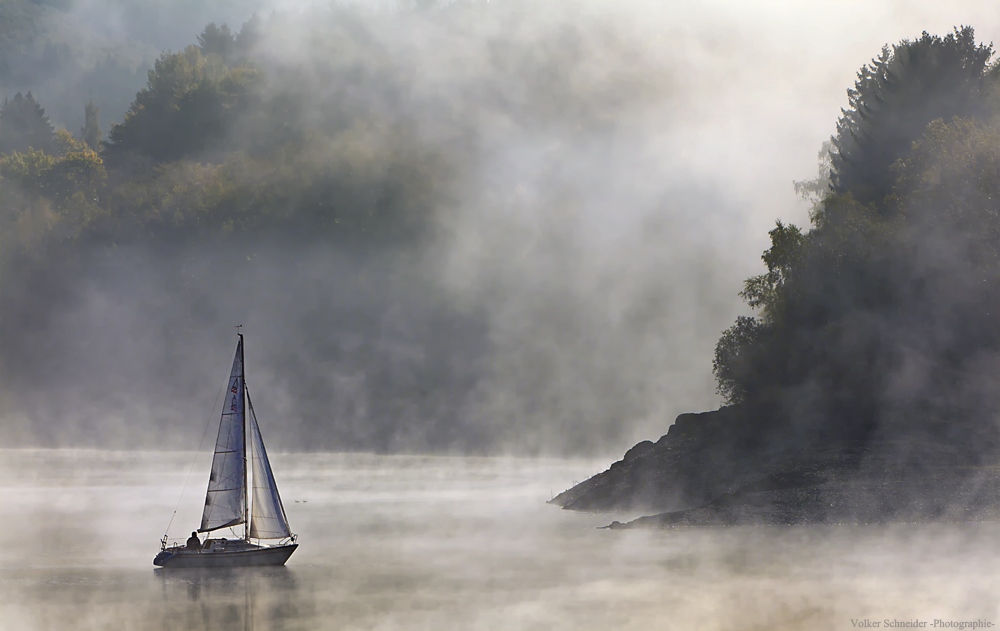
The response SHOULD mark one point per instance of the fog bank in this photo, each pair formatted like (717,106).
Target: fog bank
(610,174)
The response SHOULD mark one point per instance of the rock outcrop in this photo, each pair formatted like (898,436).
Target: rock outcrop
(700,457)
(721,468)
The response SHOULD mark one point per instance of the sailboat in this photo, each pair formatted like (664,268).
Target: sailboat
(231,500)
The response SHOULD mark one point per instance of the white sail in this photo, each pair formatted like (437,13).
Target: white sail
(225,502)
(267,517)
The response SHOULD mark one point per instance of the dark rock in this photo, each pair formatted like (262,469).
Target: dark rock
(639,450)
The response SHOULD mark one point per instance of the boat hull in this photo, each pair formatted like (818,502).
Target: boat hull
(257,557)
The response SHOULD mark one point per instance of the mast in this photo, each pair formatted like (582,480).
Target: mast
(246,487)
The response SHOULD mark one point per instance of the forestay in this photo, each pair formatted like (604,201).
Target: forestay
(225,503)
(267,519)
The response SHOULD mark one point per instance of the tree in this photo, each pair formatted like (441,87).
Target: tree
(894,99)
(815,190)
(77,173)
(24,125)
(90,133)
(29,170)
(781,258)
(217,40)
(740,353)
(63,142)
(248,37)
(187,107)
(734,358)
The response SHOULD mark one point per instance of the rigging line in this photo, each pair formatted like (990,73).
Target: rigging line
(196,454)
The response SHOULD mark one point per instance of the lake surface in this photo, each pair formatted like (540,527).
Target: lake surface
(450,543)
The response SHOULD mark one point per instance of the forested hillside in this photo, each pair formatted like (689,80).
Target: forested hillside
(209,147)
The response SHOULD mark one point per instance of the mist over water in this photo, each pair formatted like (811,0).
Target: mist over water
(419,542)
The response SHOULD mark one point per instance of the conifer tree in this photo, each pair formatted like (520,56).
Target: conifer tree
(217,40)
(895,97)
(24,125)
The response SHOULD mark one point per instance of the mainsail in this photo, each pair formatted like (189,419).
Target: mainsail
(225,502)
(267,519)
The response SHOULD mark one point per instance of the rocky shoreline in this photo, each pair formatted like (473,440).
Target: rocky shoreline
(711,470)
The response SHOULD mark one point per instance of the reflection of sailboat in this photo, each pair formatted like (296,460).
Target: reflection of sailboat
(228,502)
(239,598)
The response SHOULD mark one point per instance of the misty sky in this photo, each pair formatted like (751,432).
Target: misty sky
(581,277)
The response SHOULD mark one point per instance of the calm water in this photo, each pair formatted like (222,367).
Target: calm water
(400,542)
